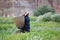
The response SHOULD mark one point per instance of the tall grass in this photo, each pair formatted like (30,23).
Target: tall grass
(38,31)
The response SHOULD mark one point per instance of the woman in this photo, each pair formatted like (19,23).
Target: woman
(27,23)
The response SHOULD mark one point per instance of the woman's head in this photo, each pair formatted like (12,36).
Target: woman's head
(26,14)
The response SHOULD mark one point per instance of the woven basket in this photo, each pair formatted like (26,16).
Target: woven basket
(19,22)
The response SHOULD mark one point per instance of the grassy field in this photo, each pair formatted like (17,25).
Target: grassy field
(39,31)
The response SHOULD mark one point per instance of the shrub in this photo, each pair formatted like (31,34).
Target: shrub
(55,18)
(49,17)
(42,10)
(45,17)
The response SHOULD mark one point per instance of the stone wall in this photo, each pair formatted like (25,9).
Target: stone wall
(18,7)
(14,7)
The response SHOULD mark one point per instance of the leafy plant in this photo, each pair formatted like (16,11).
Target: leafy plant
(42,10)
(55,18)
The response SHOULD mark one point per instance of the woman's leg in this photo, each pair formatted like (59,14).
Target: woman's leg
(27,28)
(22,30)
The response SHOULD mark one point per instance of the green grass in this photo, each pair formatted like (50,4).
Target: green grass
(46,24)
(42,35)
(6,26)
(39,31)
(4,20)
(33,18)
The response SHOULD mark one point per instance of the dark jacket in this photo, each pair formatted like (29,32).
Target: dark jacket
(27,23)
